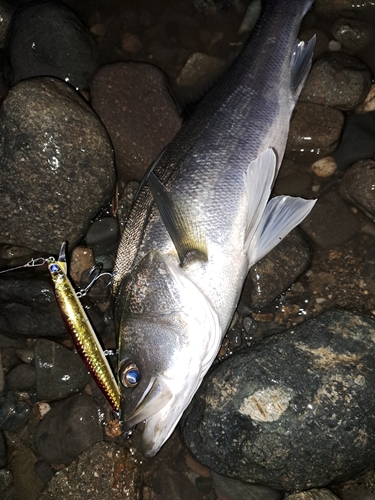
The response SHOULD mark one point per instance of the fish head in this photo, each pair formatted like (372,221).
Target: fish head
(169,335)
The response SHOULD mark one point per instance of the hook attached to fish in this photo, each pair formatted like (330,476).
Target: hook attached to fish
(78,324)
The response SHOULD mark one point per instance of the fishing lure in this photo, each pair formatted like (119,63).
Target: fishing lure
(78,325)
(81,331)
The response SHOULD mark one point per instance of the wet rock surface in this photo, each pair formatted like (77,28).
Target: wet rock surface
(48,39)
(337,80)
(358,186)
(141,118)
(68,429)
(59,372)
(57,166)
(232,489)
(321,494)
(289,425)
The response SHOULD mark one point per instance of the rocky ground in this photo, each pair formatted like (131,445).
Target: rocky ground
(288,405)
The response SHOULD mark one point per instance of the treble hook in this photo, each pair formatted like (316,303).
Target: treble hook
(98,269)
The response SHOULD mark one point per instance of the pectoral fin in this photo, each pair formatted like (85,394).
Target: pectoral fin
(301,63)
(282,214)
(180,223)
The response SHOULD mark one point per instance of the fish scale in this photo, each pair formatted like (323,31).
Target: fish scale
(201,219)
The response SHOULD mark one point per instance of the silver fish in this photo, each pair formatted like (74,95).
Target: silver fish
(201,220)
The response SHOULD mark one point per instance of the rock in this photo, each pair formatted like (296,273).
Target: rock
(56,165)
(5,17)
(14,412)
(2,383)
(44,471)
(358,185)
(103,235)
(344,8)
(322,494)
(276,271)
(3,454)
(250,18)
(275,413)
(337,80)
(29,309)
(314,131)
(133,101)
(330,223)
(324,167)
(59,372)
(357,140)
(232,489)
(106,471)
(47,38)
(130,43)
(6,479)
(359,488)
(352,34)
(68,429)
(369,103)
(81,260)
(21,378)
(26,481)
(199,66)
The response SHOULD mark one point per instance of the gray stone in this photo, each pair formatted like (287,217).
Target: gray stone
(26,481)
(352,34)
(20,378)
(276,271)
(337,80)
(59,372)
(6,479)
(14,412)
(232,489)
(106,471)
(68,429)
(47,38)
(294,411)
(344,8)
(315,494)
(56,165)
(358,186)
(133,101)
(314,131)
(103,235)
(357,140)
(330,223)
(29,308)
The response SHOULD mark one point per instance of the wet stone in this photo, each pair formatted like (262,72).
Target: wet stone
(197,67)
(44,471)
(315,494)
(3,452)
(29,308)
(330,223)
(59,372)
(357,140)
(337,80)
(49,39)
(76,155)
(276,271)
(103,235)
(273,414)
(314,131)
(358,186)
(14,412)
(106,471)
(68,429)
(341,8)
(20,378)
(233,489)
(352,34)
(134,103)
(82,259)
(6,479)
(26,481)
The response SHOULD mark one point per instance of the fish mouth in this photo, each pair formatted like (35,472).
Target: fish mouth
(153,406)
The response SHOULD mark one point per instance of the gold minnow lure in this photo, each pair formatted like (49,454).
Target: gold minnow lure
(82,333)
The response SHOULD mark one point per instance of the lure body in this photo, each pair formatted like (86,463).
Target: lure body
(82,333)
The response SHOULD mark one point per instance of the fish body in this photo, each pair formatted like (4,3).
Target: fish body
(82,333)
(201,220)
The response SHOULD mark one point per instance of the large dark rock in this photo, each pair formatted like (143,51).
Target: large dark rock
(56,165)
(293,412)
(358,184)
(47,38)
(68,429)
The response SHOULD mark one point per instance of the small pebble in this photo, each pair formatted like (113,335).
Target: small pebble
(82,259)
(315,494)
(369,103)
(324,167)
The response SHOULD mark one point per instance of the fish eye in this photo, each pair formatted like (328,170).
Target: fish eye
(130,375)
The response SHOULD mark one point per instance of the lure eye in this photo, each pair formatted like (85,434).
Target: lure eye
(54,268)
(130,375)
